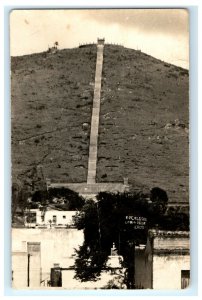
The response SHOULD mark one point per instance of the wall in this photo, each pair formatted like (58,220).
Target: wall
(171,242)
(57,246)
(19,268)
(143,270)
(34,264)
(159,265)
(49,216)
(167,270)
(59,215)
(170,256)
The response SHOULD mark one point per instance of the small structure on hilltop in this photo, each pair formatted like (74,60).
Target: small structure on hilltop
(53,49)
(100,41)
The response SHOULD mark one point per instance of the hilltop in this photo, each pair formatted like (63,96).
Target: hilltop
(144,118)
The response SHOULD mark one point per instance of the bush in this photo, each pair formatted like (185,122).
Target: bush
(73,200)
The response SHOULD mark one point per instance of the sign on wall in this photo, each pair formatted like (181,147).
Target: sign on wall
(137,222)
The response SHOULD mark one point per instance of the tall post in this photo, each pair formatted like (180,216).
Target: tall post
(28,269)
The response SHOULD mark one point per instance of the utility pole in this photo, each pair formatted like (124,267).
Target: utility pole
(28,269)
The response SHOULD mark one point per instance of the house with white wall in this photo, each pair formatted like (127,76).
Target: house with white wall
(45,258)
(36,250)
(50,218)
(164,262)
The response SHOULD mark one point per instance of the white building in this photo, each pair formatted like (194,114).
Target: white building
(45,258)
(35,251)
(164,263)
(50,218)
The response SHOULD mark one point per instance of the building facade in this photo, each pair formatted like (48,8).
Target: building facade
(164,262)
(50,218)
(45,258)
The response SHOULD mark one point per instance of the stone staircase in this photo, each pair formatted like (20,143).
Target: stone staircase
(92,160)
(90,188)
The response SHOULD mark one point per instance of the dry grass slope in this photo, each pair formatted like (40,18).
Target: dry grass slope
(143,122)
(52,98)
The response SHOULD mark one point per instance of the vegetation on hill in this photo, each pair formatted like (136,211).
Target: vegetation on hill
(51,99)
(144,118)
(144,121)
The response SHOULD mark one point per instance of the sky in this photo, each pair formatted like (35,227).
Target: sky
(162,33)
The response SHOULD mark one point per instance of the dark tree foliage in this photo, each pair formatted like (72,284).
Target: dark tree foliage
(158,195)
(72,199)
(20,194)
(40,196)
(159,200)
(91,256)
(103,223)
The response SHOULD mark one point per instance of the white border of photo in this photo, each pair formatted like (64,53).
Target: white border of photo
(194,7)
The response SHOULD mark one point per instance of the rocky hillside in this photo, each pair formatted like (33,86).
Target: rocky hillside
(143,122)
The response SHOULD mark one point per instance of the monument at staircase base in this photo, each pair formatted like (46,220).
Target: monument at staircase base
(89,191)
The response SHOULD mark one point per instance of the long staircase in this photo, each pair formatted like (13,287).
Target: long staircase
(91,188)
(92,160)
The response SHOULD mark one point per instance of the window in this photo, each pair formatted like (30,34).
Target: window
(64,217)
(54,219)
(185,278)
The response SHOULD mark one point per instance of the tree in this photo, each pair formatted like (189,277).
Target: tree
(40,196)
(91,257)
(159,199)
(20,194)
(103,223)
(118,282)
(73,200)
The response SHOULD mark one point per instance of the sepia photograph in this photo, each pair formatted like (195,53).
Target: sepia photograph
(100,149)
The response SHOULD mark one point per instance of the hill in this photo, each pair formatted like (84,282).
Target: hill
(143,130)
(52,98)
